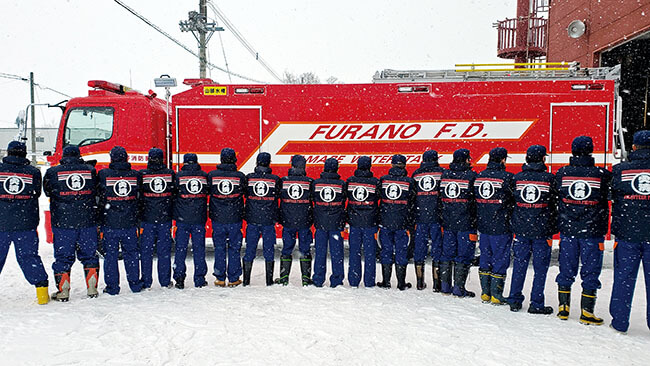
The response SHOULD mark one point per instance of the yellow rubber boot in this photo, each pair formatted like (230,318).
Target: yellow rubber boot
(42,296)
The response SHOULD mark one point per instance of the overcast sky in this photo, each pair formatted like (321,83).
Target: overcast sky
(68,42)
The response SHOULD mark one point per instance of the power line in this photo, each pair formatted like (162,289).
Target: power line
(18,77)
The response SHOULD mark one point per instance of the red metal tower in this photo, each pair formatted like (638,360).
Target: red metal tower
(524,38)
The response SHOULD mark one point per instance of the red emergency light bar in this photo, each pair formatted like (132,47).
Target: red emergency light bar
(196,82)
(108,86)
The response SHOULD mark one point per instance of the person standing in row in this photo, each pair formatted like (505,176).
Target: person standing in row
(583,212)
(19,217)
(119,192)
(262,191)
(630,218)
(296,217)
(459,224)
(362,217)
(227,186)
(72,189)
(158,188)
(534,222)
(493,189)
(191,214)
(427,218)
(328,194)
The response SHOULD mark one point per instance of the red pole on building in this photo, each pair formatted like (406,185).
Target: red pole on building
(523,16)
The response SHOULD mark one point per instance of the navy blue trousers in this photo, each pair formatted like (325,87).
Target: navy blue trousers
(394,246)
(457,247)
(362,237)
(424,233)
(26,247)
(183,234)
(128,239)
(156,236)
(522,250)
(572,252)
(495,253)
(333,239)
(227,237)
(71,242)
(627,258)
(253,233)
(289,241)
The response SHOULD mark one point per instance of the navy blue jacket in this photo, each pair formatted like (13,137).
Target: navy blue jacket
(191,201)
(494,191)
(631,198)
(20,187)
(119,191)
(72,188)
(363,199)
(158,188)
(457,196)
(328,194)
(427,186)
(227,189)
(262,195)
(295,200)
(583,208)
(535,212)
(397,195)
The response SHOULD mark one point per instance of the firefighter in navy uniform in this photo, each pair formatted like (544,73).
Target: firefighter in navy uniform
(534,222)
(459,224)
(20,187)
(119,191)
(630,218)
(427,218)
(262,192)
(72,188)
(297,217)
(397,193)
(158,187)
(191,213)
(494,189)
(328,194)
(583,213)
(227,187)
(362,217)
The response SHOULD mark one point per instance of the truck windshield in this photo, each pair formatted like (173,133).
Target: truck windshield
(88,125)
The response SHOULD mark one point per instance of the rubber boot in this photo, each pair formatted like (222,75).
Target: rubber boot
(305,270)
(42,296)
(247,267)
(486,288)
(446,269)
(269,273)
(435,271)
(386,273)
(587,304)
(497,283)
(544,310)
(460,278)
(285,270)
(62,286)
(419,274)
(179,282)
(564,297)
(92,277)
(400,272)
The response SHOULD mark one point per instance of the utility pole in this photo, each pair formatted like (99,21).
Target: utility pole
(31,91)
(197,23)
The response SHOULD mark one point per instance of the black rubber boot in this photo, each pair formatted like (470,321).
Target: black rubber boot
(285,270)
(587,304)
(400,271)
(305,269)
(497,283)
(461,271)
(62,286)
(564,296)
(544,310)
(435,272)
(269,273)
(248,268)
(179,283)
(419,274)
(485,277)
(446,269)
(386,273)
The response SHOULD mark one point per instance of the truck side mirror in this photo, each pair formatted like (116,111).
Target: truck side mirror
(47,153)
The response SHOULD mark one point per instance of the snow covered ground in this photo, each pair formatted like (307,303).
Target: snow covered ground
(296,325)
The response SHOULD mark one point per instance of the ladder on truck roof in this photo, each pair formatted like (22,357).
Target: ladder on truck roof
(473,72)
